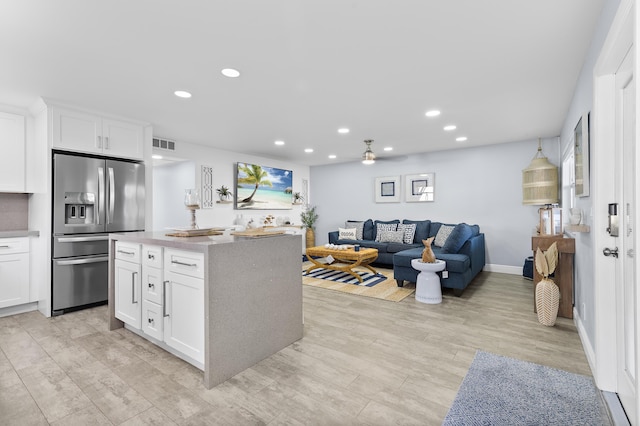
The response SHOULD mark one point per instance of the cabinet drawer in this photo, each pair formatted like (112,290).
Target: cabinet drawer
(152,286)
(152,256)
(128,251)
(184,262)
(14,245)
(152,321)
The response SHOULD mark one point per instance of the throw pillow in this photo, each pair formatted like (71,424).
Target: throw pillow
(346,234)
(409,232)
(359,228)
(443,234)
(422,229)
(391,236)
(459,235)
(381,227)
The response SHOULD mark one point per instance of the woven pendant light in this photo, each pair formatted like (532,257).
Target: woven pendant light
(540,180)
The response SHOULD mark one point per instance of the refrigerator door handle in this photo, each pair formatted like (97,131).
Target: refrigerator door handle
(100,194)
(112,196)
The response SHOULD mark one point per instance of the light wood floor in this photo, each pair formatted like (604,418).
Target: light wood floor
(361,361)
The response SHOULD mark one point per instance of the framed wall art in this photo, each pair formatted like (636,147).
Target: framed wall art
(420,187)
(581,156)
(387,189)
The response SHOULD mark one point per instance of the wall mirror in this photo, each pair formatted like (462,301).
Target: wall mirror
(581,156)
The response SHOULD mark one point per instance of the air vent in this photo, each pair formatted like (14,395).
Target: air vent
(164,144)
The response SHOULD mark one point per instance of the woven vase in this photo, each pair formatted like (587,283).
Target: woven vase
(310,238)
(547,301)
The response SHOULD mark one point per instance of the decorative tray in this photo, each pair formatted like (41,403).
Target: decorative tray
(188,232)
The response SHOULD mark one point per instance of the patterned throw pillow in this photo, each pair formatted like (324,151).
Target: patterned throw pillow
(381,227)
(443,234)
(409,232)
(347,234)
(391,236)
(359,228)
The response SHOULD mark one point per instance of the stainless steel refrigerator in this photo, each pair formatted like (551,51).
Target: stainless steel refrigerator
(92,196)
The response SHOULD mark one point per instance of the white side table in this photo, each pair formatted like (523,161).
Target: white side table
(428,283)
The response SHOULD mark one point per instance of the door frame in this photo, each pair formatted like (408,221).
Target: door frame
(620,39)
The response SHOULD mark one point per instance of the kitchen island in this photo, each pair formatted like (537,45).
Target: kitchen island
(222,303)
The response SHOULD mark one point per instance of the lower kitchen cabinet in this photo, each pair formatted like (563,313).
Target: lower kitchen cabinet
(127,286)
(14,271)
(184,314)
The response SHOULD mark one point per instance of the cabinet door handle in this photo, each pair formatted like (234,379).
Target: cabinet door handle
(191,265)
(133,288)
(151,256)
(106,142)
(5,246)
(164,299)
(99,142)
(151,285)
(130,253)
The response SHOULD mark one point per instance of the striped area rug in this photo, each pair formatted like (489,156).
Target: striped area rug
(368,279)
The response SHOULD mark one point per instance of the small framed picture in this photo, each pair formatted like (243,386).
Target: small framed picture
(420,187)
(387,189)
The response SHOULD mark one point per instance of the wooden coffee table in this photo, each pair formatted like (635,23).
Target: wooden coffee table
(346,260)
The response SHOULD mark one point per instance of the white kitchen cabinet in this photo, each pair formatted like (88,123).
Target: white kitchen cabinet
(127,274)
(184,310)
(12,160)
(84,132)
(152,292)
(14,271)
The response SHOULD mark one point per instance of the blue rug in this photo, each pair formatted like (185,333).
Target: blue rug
(368,279)
(498,390)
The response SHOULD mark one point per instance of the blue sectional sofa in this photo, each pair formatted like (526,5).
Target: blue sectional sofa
(463,249)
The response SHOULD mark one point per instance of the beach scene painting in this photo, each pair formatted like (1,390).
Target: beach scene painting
(263,188)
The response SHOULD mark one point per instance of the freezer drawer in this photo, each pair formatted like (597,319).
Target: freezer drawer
(79,281)
(80,245)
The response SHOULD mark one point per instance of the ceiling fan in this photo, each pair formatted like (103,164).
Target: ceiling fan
(368,157)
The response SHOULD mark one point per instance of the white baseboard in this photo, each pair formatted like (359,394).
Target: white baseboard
(586,343)
(503,269)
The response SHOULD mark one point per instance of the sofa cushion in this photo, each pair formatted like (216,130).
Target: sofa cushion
(475,230)
(391,236)
(434,227)
(455,262)
(382,247)
(443,234)
(381,225)
(422,229)
(347,234)
(409,230)
(368,232)
(459,235)
(359,228)
(395,247)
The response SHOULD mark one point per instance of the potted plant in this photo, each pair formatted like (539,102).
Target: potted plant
(309,218)
(224,193)
(297,198)
(547,292)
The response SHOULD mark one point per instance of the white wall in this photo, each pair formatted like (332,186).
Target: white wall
(474,185)
(224,169)
(169,182)
(582,102)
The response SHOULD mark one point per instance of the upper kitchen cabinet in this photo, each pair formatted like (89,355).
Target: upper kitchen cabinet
(84,132)
(12,160)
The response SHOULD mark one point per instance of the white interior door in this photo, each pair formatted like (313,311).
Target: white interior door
(626,295)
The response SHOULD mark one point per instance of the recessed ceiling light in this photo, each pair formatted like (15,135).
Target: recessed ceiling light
(182,94)
(332,156)
(279,143)
(156,157)
(449,128)
(308,150)
(343,130)
(230,72)
(461,139)
(433,113)
(388,148)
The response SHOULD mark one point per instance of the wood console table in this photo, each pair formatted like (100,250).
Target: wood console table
(563,276)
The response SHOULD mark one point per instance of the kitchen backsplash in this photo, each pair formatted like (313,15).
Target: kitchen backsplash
(14,212)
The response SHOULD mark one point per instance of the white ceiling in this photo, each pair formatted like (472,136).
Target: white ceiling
(501,70)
